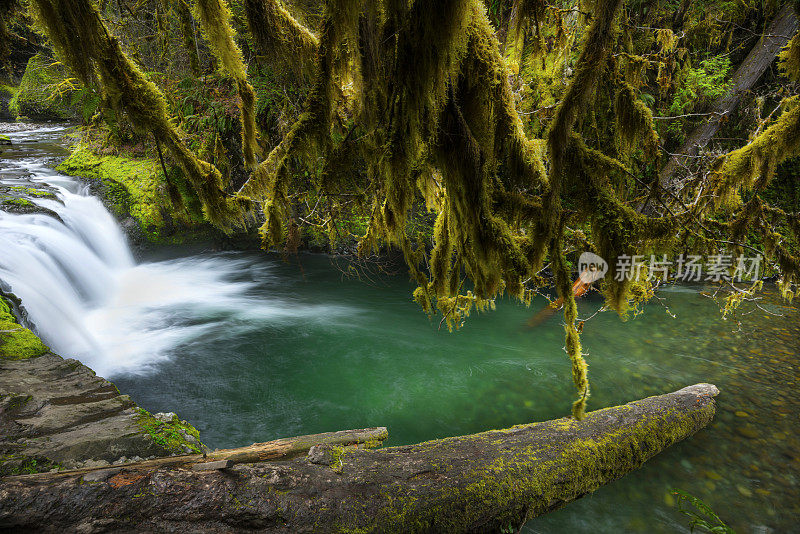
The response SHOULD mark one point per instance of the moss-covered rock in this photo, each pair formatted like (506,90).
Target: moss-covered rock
(19,198)
(46,92)
(7,92)
(135,187)
(57,413)
(16,341)
(169,432)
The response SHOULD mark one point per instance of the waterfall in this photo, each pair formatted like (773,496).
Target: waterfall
(87,298)
(62,269)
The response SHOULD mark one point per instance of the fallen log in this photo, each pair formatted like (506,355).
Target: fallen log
(279,449)
(777,35)
(473,483)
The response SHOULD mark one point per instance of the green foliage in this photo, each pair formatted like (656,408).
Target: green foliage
(702,85)
(702,516)
(386,116)
(215,17)
(7,93)
(18,464)
(83,42)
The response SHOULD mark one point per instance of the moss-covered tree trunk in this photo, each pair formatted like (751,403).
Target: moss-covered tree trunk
(471,483)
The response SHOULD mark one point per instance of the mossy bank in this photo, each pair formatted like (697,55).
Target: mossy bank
(135,187)
(16,341)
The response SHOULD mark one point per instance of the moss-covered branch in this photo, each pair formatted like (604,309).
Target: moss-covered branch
(280,37)
(82,42)
(215,18)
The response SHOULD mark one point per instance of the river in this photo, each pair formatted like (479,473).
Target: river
(249,347)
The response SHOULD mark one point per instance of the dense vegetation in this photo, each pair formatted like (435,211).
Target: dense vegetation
(488,141)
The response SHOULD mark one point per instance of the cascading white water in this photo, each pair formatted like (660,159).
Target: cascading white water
(89,299)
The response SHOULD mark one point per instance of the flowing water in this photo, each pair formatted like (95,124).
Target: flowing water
(250,348)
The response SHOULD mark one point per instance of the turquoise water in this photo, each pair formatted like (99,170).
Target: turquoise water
(250,348)
(326,352)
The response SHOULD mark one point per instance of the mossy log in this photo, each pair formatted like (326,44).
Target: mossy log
(473,483)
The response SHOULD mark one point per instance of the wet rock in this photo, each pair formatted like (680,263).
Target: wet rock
(748,432)
(165,417)
(22,198)
(70,418)
(324,454)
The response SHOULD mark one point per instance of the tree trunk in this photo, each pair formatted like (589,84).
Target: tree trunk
(471,483)
(762,55)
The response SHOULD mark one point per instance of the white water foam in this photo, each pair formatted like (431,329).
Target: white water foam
(89,299)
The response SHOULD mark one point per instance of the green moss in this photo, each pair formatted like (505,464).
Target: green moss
(16,341)
(45,92)
(337,458)
(31,191)
(171,435)
(7,91)
(537,476)
(18,464)
(133,186)
(17,201)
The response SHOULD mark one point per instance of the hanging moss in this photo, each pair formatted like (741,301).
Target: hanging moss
(634,120)
(413,106)
(215,18)
(588,68)
(758,160)
(525,38)
(82,41)
(790,58)
(188,34)
(279,37)
(572,338)
(435,116)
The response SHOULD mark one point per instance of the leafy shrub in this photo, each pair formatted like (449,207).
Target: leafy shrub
(702,85)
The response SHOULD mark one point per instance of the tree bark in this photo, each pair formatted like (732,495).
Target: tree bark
(473,483)
(279,449)
(780,31)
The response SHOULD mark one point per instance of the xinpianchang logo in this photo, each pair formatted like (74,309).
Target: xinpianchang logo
(685,268)
(591,267)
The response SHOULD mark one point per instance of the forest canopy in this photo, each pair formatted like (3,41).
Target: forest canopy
(489,141)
